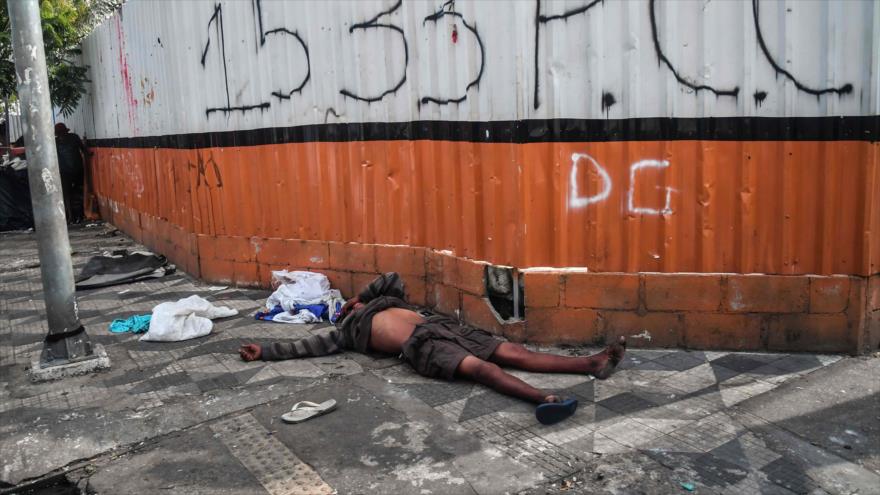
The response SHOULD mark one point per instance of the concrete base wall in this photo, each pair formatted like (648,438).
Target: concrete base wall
(703,311)
(699,311)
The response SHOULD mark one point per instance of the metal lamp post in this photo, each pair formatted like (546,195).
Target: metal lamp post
(67,341)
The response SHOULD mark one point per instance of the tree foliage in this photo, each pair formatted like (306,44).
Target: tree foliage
(65,23)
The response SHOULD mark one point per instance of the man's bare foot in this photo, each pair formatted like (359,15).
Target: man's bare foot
(606,361)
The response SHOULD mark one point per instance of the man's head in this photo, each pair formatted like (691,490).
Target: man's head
(61,129)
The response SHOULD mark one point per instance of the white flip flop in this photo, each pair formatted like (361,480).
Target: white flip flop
(304,410)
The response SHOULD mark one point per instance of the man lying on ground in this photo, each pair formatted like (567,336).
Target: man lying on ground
(380,320)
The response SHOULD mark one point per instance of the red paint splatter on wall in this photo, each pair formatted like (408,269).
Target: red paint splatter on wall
(131,101)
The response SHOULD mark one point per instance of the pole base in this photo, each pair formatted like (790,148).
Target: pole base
(41,372)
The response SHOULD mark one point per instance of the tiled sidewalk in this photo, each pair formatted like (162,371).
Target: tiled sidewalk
(673,417)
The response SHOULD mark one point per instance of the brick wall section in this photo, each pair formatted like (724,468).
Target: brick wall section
(445,299)
(601,290)
(829,294)
(404,260)
(358,258)
(705,311)
(872,315)
(740,332)
(701,311)
(542,289)
(563,325)
(685,292)
(478,311)
(643,329)
(767,294)
(820,333)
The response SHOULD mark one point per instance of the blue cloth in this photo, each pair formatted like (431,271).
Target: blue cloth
(133,324)
(334,314)
(268,315)
(316,309)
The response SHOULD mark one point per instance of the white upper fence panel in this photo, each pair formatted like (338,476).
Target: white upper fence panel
(188,66)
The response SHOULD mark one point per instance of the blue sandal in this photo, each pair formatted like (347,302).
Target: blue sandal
(549,413)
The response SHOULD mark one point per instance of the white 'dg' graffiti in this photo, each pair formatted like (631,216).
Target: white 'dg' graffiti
(576,201)
(667,208)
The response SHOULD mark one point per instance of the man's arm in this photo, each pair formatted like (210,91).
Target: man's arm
(388,284)
(312,346)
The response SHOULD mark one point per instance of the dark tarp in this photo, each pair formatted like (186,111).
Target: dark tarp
(15,200)
(122,267)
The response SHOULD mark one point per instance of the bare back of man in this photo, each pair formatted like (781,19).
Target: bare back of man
(391,328)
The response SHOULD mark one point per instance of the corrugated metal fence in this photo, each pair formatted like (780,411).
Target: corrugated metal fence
(723,136)
(74,122)
(160,68)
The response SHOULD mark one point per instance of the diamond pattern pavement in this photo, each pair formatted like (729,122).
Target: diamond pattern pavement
(671,407)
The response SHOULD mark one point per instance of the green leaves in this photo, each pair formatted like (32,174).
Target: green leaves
(65,23)
(67,85)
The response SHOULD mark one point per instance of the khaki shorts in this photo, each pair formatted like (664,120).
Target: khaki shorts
(436,348)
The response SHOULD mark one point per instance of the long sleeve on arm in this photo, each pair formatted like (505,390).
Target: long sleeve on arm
(388,284)
(316,345)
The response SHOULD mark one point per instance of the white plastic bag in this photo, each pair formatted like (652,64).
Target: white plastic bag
(304,316)
(297,288)
(185,319)
(334,303)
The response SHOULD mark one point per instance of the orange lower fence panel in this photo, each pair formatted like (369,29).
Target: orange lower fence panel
(778,207)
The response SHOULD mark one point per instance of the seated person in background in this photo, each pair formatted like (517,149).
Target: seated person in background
(379,319)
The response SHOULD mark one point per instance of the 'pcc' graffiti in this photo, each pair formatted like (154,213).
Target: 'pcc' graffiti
(575,200)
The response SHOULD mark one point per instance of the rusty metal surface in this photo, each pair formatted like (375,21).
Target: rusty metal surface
(764,207)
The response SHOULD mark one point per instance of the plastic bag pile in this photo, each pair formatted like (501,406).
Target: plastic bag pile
(301,297)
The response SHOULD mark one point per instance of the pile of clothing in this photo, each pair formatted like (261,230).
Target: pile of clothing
(301,297)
